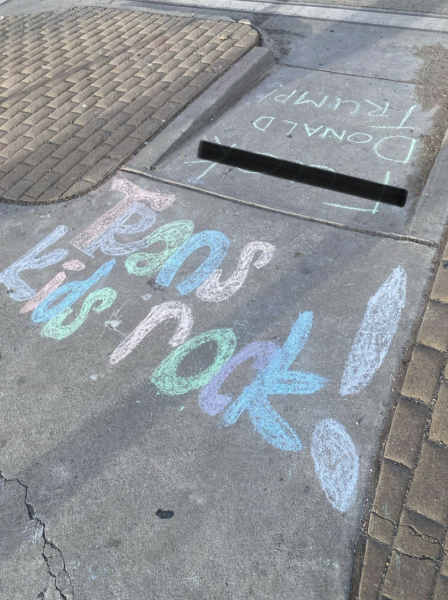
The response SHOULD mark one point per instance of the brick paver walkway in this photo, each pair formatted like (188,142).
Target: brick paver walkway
(82,90)
(406,552)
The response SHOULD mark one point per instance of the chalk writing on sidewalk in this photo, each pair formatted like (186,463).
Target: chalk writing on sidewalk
(320,129)
(393,150)
(336,463)
(196,180)
(375,334)
(354,107)
(332,449)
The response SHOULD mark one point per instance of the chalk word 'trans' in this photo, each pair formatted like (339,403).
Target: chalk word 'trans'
(177,239)
(132,193)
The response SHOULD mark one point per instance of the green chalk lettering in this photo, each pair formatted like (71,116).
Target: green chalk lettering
(147,263)
(165,376)
(55,328)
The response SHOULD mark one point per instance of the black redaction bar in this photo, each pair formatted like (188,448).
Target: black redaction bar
(259,163)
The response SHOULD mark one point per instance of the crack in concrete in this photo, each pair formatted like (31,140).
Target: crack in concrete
(51,554)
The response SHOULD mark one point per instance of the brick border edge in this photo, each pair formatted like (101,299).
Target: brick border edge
(397,524)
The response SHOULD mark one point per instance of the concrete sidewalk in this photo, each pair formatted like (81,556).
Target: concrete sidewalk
(418,6)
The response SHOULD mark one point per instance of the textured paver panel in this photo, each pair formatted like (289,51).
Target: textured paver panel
(82,90)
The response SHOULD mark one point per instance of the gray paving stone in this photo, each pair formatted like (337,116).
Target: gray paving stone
(439,422)
(405,435)
(419,536)
(423,373)
(434,328)
(429,489)
(391,489)
(441,591)
(409,578)
(374,566)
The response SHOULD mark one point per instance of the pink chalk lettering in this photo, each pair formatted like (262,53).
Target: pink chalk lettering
(107,241)
(74,265)
(156,200)
(43,293)
(132,193)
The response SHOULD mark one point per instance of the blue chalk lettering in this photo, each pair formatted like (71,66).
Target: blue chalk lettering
(218,244)
(276,378)
(31,260)
(72,291)
(336,463)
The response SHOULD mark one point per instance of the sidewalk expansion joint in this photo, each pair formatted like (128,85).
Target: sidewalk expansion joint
(50,551)
(332,71)
(383,234)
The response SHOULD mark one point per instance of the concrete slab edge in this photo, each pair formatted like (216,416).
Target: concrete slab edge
(228,89)
(384,234)
(363,17)
(430,218)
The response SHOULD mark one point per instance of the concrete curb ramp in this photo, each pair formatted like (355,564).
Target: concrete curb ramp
(81,91)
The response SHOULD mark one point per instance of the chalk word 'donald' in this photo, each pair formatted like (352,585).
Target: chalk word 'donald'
(393,148)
